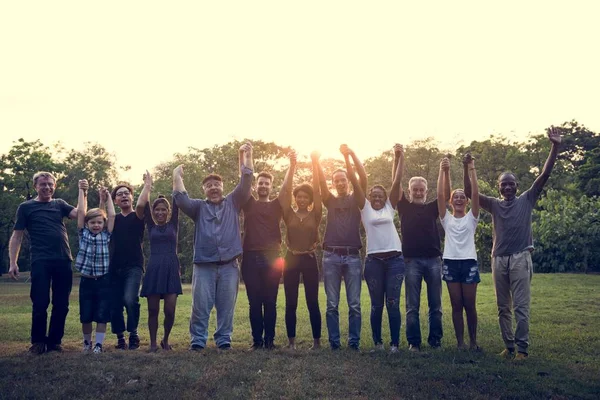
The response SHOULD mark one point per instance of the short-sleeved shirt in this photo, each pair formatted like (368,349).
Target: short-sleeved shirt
(126,242)
(261,225)
(343,222)
(382,235)
(93,256)
(459,243)
(43,220)
(302,233)
(511,221)
(418,224)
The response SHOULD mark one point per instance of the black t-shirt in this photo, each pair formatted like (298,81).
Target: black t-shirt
(47,232)
(261,225)
(418,224)
(126,242)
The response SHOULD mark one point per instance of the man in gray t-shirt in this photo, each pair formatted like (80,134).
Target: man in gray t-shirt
(512,268)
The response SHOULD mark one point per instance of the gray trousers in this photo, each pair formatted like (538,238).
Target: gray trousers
(512,280)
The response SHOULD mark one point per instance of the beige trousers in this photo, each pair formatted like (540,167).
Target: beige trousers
(512,282)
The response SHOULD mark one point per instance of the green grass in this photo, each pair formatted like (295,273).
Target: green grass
(564,360)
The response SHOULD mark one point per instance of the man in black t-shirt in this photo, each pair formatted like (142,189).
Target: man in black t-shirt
(126,266)
(51,259)
(422,255)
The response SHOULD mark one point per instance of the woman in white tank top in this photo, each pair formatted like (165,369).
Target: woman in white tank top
(384,265)
(460,269)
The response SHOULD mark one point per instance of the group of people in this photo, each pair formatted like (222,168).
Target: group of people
(110,257)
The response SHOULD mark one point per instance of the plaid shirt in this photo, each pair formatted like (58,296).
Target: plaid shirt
(92,259)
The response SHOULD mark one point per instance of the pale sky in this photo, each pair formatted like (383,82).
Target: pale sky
(147,79)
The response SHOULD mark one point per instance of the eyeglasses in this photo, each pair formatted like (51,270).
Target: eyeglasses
(123,193)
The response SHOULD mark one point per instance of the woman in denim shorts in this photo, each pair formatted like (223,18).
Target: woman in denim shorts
(460,269)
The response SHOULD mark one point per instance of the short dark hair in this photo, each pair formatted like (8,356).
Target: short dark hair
(378,187)
(214,177)
(507,173)
(127,186)
(306,188)
(339,170)
(161,199)
(265,174)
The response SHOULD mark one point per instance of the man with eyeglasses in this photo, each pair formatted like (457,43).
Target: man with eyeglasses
(126,267)
(51,259)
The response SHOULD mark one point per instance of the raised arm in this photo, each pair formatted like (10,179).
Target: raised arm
(242,192)
(398,168)
(447,185)
(317,202)
(144,196)
(359,192)
(554,136)
(475,189)
(360,169)
(110,209)
(180,196)
(285,194)
(441,187)
(81,204)
(323,184)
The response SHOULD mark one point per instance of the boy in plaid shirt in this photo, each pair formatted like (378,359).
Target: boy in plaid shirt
(92,262)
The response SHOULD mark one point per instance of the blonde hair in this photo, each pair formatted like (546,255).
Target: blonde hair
(93,213)
(417,179)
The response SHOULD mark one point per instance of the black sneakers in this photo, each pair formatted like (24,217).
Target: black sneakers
(134,341)
(121,343)
(37,348)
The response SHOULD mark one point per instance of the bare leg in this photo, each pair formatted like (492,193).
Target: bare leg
(469,291)
(456,298)
(153,310)
(169,310)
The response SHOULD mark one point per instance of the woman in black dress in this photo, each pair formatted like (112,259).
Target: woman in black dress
(162,279)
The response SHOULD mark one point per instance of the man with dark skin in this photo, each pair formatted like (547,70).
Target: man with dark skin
(512,267)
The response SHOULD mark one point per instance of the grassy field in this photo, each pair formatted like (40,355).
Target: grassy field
(564,360)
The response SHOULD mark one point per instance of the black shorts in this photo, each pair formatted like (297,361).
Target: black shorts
(94,299)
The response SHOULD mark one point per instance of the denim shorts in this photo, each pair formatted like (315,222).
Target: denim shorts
(94,299)
(461,271)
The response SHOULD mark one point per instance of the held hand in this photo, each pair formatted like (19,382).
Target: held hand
(315,155)
(13,271)
(246,148)
(467,159)
(554,135)
(398,149)
(83,184)
(103,191)
(293,156)
(445,164)
(178,171)
(147,179)
(345,150)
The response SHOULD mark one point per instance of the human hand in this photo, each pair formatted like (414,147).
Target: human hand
(554,135)
(345,150)
(147,179)
(178,171)
(83,184)
(445,164)
(13,271)
(315,155)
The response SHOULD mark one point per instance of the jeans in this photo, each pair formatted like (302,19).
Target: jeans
(512,280)
(417,269)
(213,286)
(349,267)
(384,278)
(305,265)
(261,278)
(126,288)
(58,275)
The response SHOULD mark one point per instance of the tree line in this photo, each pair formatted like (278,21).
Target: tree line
(566,221)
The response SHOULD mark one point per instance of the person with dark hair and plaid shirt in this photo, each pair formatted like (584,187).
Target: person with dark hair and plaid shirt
(92,262)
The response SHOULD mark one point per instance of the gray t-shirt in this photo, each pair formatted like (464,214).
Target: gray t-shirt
(512,222)
(343,222)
